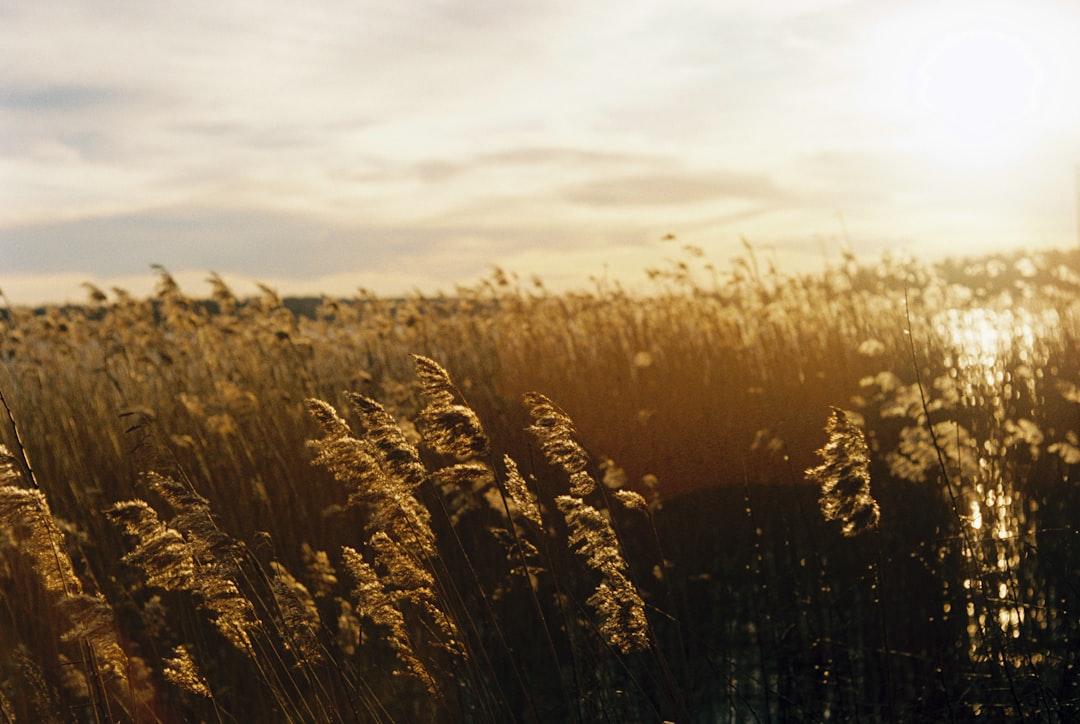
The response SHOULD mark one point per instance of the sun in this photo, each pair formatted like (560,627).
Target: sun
(976,84)
(980,85)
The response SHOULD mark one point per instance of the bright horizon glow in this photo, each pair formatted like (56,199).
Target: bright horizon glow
(320,147)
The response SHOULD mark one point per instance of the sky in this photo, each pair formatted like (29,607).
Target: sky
(323,146)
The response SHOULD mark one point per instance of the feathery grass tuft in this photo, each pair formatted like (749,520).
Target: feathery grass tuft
(555,431)
(299,616)
(616,601)
(376,605)
(180,671)
(160,552)
(434,381)
(519,493)
(844,476)
(387,499)
(398,457)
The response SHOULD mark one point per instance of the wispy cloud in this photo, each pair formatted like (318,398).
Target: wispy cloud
(55,98)
(256,243)
(675,189)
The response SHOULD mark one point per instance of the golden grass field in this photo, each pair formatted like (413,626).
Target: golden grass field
(738,495)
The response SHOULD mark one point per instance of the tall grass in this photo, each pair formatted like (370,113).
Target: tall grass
(508,504)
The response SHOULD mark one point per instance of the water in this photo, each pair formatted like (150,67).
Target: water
(996,359)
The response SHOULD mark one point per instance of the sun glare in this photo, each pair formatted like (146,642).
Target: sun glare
(980,85)
(976,86)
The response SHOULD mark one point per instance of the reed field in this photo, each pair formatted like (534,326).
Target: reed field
(729,495)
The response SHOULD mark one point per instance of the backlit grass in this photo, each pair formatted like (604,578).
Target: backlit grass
(736,495)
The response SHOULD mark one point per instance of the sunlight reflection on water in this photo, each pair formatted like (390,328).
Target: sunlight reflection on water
(994,356)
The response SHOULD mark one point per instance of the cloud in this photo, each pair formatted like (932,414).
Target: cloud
(565,156)
(867,179)
(675,189)
(567,159)
(55,98)
(558,162)
(252,242)
(427,139)
(80,117)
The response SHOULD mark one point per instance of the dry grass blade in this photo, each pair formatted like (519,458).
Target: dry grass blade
(8,462)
